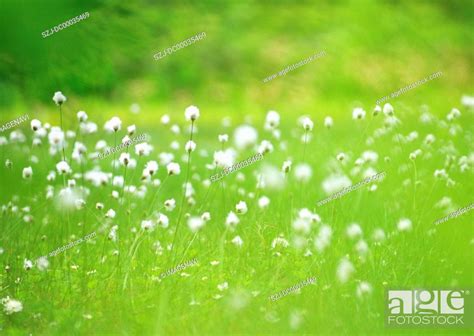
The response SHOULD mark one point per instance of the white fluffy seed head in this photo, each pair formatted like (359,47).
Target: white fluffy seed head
(59,98)
(307,124)
(241,207)
(263,202)
(272,120)
(388,109)
(358,113)
(206,216)
(191,113)
(165,119)
(195,223)
(404,224)
(328,122)
(35,124)
(173,168)
(190,146)
(114,124)
(286,167)
(82,116)
(27,172)
(124,159)
(232,220)
(63,167)
(131,130)
(377,110)
(170,204)
(223,138)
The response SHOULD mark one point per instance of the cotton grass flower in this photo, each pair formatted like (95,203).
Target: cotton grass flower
(341,157)
(335,183)
(270,177)
(429,139)
(377,110)
(63,168)
(454,114)
(170,204)
(223,138)
(307,123)
(286,167)
(272,120)
(191,113)
(113,233)
(358,113)
(353,231)
(110,214)
(165,158)
(56,136)
(223,286)
(323,239)
(241,207)
(303,172)
(363,289)
(467,101)
(27,264)
(82,116)
(245,136)
(124,159)
(378,235)
(150,169)
(175,129)
(206,216)
(27,172)
(232,220)
(344,270)
(113,125)
(59,98)
(42,263)
(147,225)
(237,241)
(301,225)
(11,306)
(263,202)
(265,147)
(224,158)
(165,119)
(404,224)
(162,220)
(143,149)
(173,168)
(370,156)
(440,173)
(195,223)
(190,146)
(388,109)
(328,122)
(35,125)
(362,248)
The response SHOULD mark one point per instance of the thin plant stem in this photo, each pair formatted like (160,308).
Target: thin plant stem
(153,200)
(113,161)
(305,142)
(184,194)
(62,129)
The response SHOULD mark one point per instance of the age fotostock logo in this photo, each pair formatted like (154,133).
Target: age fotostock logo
(429,308)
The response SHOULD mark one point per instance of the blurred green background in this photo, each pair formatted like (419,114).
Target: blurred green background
(373,49)
(105,63)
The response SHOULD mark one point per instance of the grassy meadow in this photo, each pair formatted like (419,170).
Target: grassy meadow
(259,230)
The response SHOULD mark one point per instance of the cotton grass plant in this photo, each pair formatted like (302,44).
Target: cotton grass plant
(254,233)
